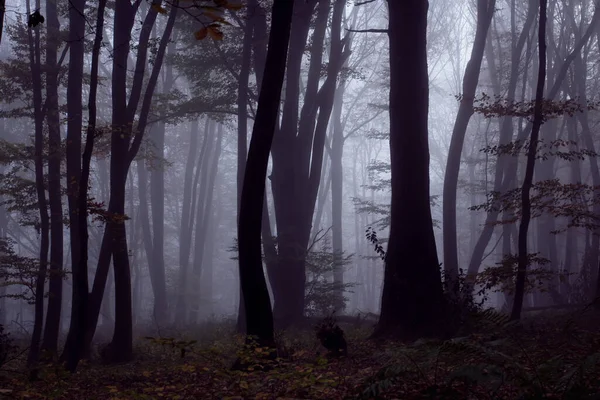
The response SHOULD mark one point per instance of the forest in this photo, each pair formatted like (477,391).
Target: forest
(299,199)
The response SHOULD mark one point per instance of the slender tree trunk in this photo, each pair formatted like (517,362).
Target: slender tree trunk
(200,236)
(485,12)
(259,317)
(242,121)
(506,136)
(187,213)
(2,12)
(52,326)
(78,175)
(184,296)
(157,198)
(523,259)
(337,202)
(44,227)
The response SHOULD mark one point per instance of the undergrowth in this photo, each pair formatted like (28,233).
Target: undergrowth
(555,356)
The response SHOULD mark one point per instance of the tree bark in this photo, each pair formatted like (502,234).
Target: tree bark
(52,327)
(485,12)
(259,317)
(412,299)
(44,226)
(79,174)
(523,258)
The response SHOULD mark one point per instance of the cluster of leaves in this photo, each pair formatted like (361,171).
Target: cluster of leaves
(463,305)
(559,148)
(371,235)
(181,346)
(572,201)
(498,106)
(18,271)
(322,295)
(501,277)
(7,347)
(99,212)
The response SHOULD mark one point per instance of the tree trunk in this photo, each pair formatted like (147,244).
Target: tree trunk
(187,213)
(412,298)
(337,200)
(242,120)
(78,176)
(157,198)
(259,317)
(44,227)
(523,259)
(52,327)
(501,181)
(485,12)
(184,295)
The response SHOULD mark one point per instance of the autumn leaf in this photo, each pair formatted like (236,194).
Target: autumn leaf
(214,32)
(159,9)
(201,34)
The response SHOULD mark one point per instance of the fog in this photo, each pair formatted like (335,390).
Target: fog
(159,108)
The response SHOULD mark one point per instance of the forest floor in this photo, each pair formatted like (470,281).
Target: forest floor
(547,356)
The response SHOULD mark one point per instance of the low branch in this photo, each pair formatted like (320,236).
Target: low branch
(368,30)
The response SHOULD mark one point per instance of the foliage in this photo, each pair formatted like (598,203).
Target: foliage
(371,236)
(502,363)
(19,271)
(181,346)
(501,277)
(321,292)
(7,347)
(498,106)
(552,357)
(572,201)
(463,305)
(331,336)
(563,149)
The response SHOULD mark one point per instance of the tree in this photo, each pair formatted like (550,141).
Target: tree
(298,151)
(538,117)
(485,12)
(36,79)
(75,345)
(51,329)
(412,295)
(259,317)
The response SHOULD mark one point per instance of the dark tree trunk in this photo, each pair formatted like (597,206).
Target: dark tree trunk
(2,12)
(298,152)
(286,181)
(523,259)
(485,12)
(121,345)
(412,298)
(124,147)
(242,122)
(259,317)
(52,327)
(78,175)
(44,227)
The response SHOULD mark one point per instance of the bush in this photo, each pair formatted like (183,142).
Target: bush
(7,347)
